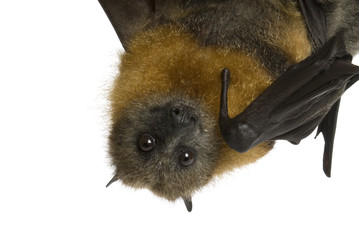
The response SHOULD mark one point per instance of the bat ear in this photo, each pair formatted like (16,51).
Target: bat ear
(114,179)
(188,203)
(128,17)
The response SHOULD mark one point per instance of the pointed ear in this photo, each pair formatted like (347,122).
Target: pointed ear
(114,179)
(128,17)
(188,203)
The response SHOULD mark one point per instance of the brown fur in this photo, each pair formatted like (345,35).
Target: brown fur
(175,52)
(290,35)
(169,59)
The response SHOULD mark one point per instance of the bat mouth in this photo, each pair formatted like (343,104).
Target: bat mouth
(171,192)
(187,199)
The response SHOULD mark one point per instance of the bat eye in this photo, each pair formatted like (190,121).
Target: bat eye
(186,157)
(146,143)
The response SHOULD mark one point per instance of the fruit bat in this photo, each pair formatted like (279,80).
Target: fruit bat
(206,86)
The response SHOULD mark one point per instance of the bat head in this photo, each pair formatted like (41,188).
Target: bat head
(165,144)
(165,101)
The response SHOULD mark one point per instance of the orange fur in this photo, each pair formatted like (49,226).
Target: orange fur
(166,59)
(290,33)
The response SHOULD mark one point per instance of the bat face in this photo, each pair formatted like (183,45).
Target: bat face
(165,144)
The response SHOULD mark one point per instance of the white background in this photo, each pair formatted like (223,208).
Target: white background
(57,60)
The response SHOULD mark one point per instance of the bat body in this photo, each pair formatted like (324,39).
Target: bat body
(166,101)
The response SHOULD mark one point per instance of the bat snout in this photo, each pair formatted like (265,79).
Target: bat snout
(182,116)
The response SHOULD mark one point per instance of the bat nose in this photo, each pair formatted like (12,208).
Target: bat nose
(183,116)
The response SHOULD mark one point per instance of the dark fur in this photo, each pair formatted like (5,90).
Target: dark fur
(225,24)
(252,27)
(160,170)
(343,14)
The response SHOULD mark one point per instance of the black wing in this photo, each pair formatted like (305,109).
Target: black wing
(307,95)
(128,17)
